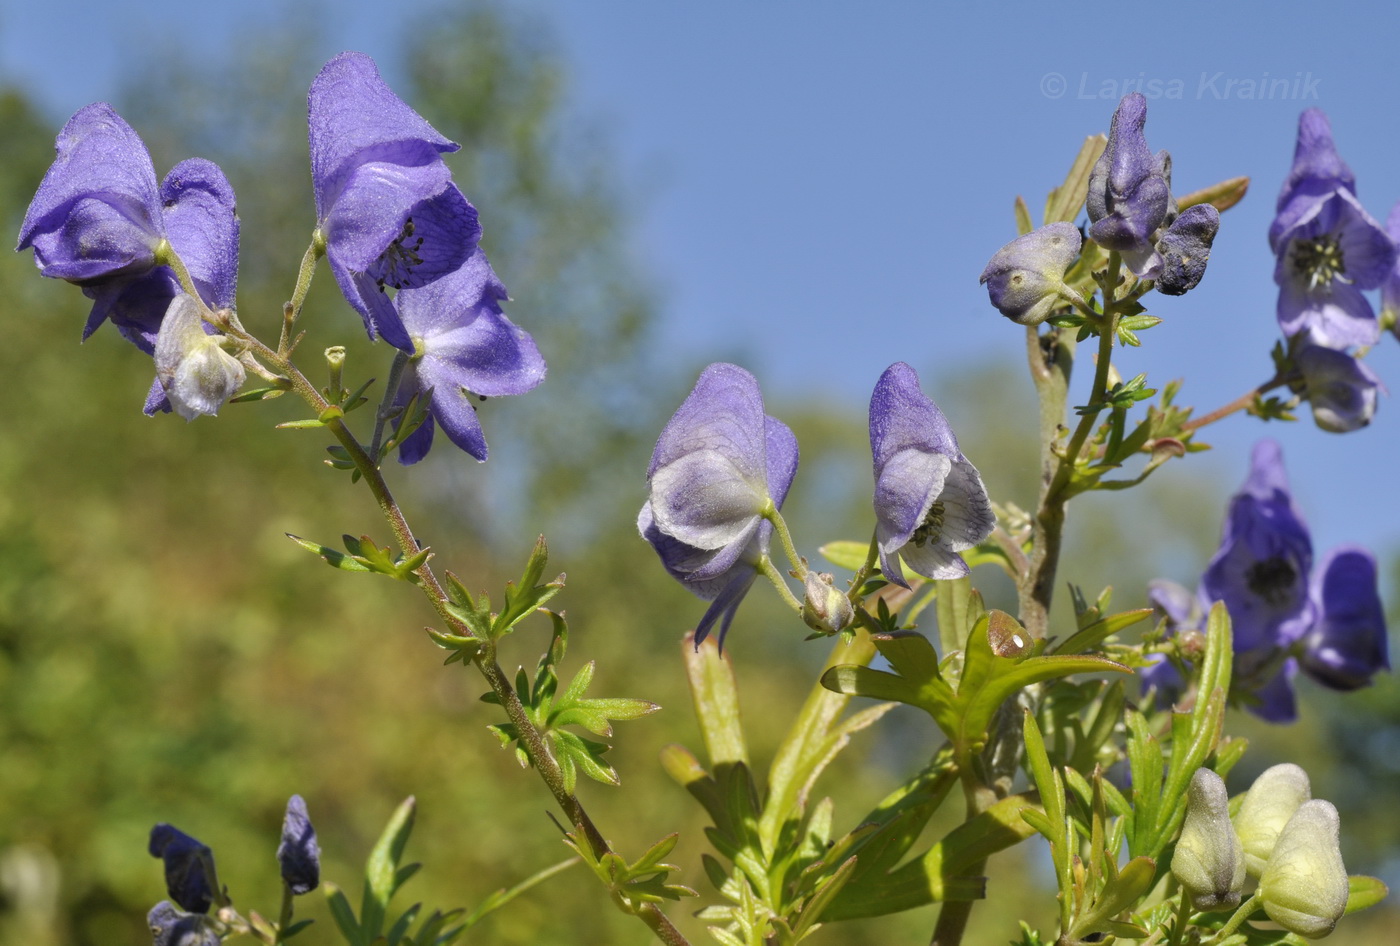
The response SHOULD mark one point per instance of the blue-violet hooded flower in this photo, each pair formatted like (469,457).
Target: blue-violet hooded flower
(189,867)
(1261,574)
(99,220)
(1328,247)
(930,503)
(1347,645)
(1341,389)
(299,854)
(385,202)
(717,464)
(1130,190)
(463,344)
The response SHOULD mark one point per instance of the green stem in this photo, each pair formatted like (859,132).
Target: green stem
(1242,914)
(768,570)
(485,660)
(284,919)
(1183,917)
(770,512)
(871,555)
(292,311)
(1238,404)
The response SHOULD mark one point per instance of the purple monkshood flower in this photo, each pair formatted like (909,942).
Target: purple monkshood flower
(1130,190)
(1328,247)
(173,927)
(1318,170)
(1347,645)
(98,220)
(1025,279)
(1261,568)
(1341,389)
(385,202)
(299,854)
(717,464)
(462,344)
(930,503)
(189,867)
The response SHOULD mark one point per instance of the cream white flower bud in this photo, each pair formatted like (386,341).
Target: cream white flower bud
(1270,802)
(197,374)
(1209,861)
(825,607)
(1304,886)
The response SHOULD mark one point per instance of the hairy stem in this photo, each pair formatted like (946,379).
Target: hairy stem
(1238,404)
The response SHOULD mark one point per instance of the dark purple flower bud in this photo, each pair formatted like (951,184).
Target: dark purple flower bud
(189,867)
(1026,278)
(1185,249)
(1129,190)
(716,465)
(463,345)
(1347,645)
(1318,170)
(299,854)
(385,202)
(98,220)
(1340,388)
(930,503)
(1333,251)
(171,927)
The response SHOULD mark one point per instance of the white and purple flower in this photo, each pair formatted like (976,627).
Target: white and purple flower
(930,503)
(717,465)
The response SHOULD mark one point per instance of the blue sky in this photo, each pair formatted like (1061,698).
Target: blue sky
(821,183)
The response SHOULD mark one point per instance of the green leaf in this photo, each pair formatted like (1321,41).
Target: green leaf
(1064,202)
(1120,894)
(524,598)
(716,702)
(257,394)
(505,895)
(586,754)
(382,868)
(344,915)
(1222,195)
(1095,634)
(332,557)
(811,913)
(1364,892)
(309,423)
(845,554)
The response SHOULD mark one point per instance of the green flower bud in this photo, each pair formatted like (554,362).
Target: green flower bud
(1304,886)
(1025,280)
(1209,861)
(1270,802)
(825,608)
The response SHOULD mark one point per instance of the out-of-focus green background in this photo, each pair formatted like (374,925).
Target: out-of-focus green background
(167,655)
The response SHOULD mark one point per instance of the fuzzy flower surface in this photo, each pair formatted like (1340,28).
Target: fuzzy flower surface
(99,220)
(1341,390)
(717,464)
(1209,860)
(1261,572)
(385,202)
(1328,248)
(930,503)
(1304,885)
(171,926)
(1130,190)
(1185,249)
(299,853)
(189,866)
(463,345)
(1025,278)
(1347,645)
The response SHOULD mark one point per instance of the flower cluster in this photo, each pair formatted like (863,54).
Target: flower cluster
(1132,211)
(193,885)
(1328,250)
(721,470)
(1280,836)
(99,220)
(1286,615)
(161,262)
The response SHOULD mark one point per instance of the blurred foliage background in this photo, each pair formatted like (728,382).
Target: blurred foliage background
(167,655)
